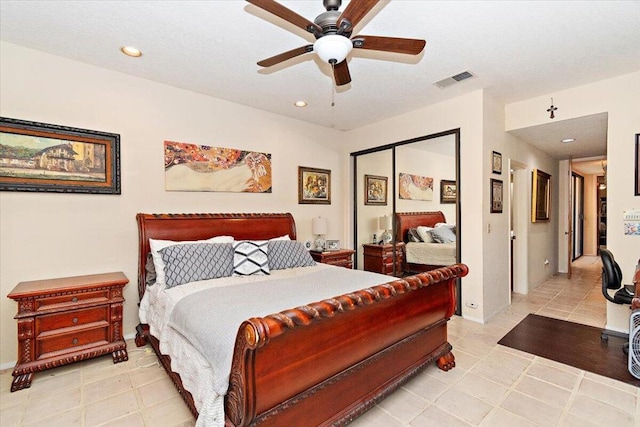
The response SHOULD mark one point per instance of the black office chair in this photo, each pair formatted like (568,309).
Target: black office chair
(612,279)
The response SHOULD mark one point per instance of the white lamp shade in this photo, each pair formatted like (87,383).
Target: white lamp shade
(332,47)
(319,225)
(385,222)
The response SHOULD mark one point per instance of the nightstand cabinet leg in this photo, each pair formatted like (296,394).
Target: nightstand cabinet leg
(21,381)
(120,356)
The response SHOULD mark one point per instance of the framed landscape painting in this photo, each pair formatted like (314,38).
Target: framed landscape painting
(42,157)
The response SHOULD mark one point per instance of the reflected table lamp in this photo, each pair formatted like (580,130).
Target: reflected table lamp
(319,227)
(386,224)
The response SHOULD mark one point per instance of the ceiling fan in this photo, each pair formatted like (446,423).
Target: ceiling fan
(332,31)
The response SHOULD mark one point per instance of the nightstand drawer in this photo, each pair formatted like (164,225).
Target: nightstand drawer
(48,343)
(71,318)
(48,303)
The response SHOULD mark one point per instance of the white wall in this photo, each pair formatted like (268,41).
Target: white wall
(433,165)
(620,98)
(58,235)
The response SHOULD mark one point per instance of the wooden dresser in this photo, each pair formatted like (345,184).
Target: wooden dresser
(341,257)
(66,320)
(379,258)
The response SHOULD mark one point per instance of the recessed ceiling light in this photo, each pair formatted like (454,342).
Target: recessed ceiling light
(300,104)
(130,51)
(568,140)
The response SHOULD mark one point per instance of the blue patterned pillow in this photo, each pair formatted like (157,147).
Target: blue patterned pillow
(443,235)
(288,254)
(250,257)
(196,261)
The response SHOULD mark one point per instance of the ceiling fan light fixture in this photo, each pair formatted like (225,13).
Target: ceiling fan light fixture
(332,48)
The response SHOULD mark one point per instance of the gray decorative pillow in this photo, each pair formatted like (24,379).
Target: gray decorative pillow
(150,268)
(443,235)
(196,261)
(413,235)
(288,254)
(250,257)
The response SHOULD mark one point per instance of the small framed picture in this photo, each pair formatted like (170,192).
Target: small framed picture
(314,186)
(333,245)
(496,196)
(447,191)
(375,190)
(496,162)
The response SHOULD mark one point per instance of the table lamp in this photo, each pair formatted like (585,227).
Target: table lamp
(386,224)
(319,227)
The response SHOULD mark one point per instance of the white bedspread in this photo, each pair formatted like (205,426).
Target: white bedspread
(197,374)
(431,253)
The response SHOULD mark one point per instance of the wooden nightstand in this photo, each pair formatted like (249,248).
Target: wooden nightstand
(341,257)
(379,258)
(66,320)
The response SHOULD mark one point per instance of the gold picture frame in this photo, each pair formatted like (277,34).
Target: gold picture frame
(314,186)
(540,196)
(375,190)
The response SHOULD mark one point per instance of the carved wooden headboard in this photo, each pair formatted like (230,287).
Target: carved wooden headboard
(180,227)
(407,220)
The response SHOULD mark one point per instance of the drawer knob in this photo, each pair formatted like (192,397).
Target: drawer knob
(74,299)
(74,320)
(75,341)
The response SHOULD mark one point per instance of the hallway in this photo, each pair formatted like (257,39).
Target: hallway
(578,300)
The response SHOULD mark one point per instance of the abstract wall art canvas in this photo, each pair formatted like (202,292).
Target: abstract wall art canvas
(415,187)
(191,167)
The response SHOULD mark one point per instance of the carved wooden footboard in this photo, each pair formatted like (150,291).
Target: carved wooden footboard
(327,362)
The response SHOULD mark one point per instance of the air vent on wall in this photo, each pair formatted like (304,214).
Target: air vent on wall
(453,79)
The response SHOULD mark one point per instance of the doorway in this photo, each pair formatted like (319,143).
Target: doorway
(518,222)
(577,209)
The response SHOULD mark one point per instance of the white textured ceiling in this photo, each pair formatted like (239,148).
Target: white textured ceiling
(515,49)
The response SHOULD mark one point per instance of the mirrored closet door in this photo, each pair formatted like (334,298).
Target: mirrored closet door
(404,188)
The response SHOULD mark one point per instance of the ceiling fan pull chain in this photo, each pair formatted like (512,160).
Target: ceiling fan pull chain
(333,85)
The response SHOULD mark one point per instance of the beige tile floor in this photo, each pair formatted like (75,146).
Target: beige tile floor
(490,386)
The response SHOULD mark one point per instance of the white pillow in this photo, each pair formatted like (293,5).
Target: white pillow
(424,234)
(285,237)
(158,245)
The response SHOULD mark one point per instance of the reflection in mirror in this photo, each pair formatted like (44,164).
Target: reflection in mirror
(423,188)
(373,199)
(426,205)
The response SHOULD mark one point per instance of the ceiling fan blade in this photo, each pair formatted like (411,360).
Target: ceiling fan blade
(341,73)
(356,10)
(288,15)
(285,55)
(389,44)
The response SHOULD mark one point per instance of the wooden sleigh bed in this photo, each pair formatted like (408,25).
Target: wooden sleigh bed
(406,221)
(326,362)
